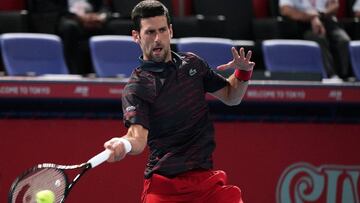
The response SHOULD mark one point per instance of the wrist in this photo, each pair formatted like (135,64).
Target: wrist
(127,144)
(243,75)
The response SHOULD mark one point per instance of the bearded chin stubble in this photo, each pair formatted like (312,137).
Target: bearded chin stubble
(160,58)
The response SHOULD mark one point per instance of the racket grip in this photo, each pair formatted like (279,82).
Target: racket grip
(100,158)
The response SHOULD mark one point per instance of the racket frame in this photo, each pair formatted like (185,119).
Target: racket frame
(61,168)
(91,163)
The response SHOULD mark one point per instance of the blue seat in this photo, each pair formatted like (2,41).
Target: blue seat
(114,55)
(1,59)
(354,48)
(32,54)
(293,56)
(215,51)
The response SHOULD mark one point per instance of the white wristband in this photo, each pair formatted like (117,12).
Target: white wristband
(126,143)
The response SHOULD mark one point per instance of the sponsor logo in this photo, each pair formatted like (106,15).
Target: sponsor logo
(25,90)
(336,94)
(130,108)
(116,91)
(130,112)
(82,90)
(192,71)
(304,183)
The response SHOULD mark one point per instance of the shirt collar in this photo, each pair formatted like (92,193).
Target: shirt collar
(160,66)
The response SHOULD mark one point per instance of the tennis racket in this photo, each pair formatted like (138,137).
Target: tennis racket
(51,177)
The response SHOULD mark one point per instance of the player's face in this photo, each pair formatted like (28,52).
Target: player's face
(154,38)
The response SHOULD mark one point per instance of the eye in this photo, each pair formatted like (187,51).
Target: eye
(150,32)
(162,30)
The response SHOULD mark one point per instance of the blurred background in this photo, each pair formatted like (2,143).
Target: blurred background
(294,136)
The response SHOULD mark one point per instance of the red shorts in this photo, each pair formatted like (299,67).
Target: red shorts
(191,187)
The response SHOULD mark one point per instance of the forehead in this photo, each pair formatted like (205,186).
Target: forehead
(153,22)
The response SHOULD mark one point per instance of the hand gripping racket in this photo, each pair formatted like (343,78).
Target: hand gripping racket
(51,177)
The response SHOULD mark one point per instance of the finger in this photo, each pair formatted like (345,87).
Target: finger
(248,55)
(252,65)
(225,66)
(111,158)
(112,145)
(242,53)
(119,151)
(234,53)
(108,144)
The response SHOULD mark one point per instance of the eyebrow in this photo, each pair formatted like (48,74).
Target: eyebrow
(153,29)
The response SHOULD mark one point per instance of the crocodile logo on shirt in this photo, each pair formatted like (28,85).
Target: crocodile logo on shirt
(192,71)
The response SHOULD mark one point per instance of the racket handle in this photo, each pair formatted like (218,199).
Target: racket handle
(100,158)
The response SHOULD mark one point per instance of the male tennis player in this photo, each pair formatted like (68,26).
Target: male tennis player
(165,108)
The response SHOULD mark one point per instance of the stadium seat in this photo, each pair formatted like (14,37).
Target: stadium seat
(114,55)
(354,47)
(1,61)
(293,56)
(215,51)
(32,54)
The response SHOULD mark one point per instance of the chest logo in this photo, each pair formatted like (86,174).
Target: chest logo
(192,71)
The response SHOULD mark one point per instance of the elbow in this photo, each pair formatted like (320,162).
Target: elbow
(234,99)
(233,102)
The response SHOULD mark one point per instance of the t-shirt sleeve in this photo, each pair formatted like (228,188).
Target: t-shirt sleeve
(135,111)
(286,3)
(137,96)
(212,80)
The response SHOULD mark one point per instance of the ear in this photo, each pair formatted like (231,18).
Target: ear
(136,36)
(171,31)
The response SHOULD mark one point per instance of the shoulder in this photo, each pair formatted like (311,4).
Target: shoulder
(193,59)
(187,56)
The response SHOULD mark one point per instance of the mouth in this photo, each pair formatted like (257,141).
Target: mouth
(157,50)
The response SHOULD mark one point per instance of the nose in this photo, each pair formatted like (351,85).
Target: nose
(157,37)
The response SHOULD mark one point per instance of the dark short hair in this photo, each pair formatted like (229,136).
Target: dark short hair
(148,9)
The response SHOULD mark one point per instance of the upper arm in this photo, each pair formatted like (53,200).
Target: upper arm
(212,81)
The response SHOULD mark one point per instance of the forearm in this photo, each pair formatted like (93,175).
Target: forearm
(233,93)
(137,136)
(235,90)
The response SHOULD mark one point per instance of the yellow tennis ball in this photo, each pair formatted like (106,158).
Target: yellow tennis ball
(45,196)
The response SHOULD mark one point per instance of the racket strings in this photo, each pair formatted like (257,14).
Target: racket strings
(37,180)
